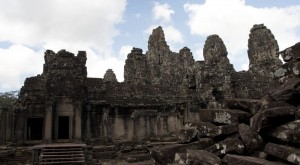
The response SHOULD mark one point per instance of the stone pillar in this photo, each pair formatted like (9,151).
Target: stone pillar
(77,128)
(48,124)
(87,131)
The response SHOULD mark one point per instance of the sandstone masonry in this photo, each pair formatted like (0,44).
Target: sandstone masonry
(161,91)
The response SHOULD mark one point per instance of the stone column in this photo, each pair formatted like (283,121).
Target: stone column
(87,130)
(48,124)
(77,129)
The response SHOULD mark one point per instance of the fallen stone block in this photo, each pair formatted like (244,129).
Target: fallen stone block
(187,135)
(272,117)
(230,159)
(289,132)
(180,158)
(250,138)
(267,103)
(230,145)
(223,116)
(242,104)
(288,91)
(287,153)
(166,154)
(206,129)
(291,53)
(202,157)
(227,129)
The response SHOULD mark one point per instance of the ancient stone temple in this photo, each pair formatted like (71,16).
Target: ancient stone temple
(161,91)
(168,103)
(181,110)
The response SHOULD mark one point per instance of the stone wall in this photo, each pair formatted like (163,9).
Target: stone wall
(214,79)
(161,89)
(159,66)
(6,126)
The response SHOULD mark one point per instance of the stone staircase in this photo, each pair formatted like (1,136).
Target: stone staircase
(60,154)
(15,156)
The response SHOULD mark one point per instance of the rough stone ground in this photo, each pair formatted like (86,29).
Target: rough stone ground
(269,136)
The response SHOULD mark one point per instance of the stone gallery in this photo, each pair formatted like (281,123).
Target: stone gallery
(175,108)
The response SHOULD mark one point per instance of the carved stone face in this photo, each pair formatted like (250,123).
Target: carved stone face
(214,49)
(262,45)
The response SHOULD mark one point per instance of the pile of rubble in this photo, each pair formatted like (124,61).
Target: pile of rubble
(250,132)
(256,132)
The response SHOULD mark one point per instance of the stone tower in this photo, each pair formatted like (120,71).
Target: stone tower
(159,66)
(215,73)
(110,76)
(136,69)
(158,56)
(262,51)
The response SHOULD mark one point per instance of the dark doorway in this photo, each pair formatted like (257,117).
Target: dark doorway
(63,127)
(35,128)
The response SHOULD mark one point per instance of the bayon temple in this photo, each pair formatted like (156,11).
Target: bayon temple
(166,97)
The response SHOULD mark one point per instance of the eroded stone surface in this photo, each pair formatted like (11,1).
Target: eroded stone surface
(165,154)
(289,132)
(272,117)
(110,76)
(287,153)
(187,135)
(202,157)
(225,116)
(250,138)
(229,145)
(288,91)
(230,159)
(263,50)
(180,158)
(291,53)
(159,66)
(247,105)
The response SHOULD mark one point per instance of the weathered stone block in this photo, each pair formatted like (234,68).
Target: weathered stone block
(202,157)
(180,158)
(291,53)
(241,104)
(289,91)
(227,129)
(230,145)
(289,132)
(250,138)
(272,117)
(287,153)
(224,116)
(207,129)
(230,159)
(166,154)
(187,135)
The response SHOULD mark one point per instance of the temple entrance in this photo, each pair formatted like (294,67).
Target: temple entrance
(35,128)
(63,127)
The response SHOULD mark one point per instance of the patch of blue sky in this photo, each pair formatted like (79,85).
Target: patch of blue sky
(272,3)
(5,44)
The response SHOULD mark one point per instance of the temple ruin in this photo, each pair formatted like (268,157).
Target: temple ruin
(161,92)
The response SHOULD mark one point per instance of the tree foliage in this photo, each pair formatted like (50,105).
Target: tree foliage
(7,100)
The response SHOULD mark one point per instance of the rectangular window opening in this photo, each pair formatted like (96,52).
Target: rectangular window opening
(35,128)
(63,127)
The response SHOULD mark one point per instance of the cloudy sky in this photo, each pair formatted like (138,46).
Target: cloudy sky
(108,29)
